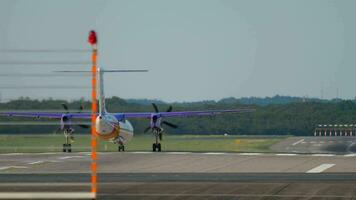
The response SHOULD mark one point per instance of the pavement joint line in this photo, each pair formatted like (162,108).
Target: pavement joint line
(224,195)
(320,168)
(182,153)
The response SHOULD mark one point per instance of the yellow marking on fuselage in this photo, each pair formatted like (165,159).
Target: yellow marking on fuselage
(114,134)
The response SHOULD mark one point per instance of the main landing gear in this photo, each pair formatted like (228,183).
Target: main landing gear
(157,145)
(67,147)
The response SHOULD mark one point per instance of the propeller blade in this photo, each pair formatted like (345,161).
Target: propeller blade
(65,106)
(83,126)
(155,107)
(57,130)
(169,109)
(170,124)
(147,129)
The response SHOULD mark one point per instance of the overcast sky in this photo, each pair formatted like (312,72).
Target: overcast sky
(194,49)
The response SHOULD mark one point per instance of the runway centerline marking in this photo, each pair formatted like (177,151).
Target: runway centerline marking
(69,157)
(320,168)
(36,162)
(12,167)
(299,141)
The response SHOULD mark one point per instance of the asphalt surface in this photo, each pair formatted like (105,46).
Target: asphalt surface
(320,144)
(322,174)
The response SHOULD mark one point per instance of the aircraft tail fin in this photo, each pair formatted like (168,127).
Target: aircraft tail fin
(100,82)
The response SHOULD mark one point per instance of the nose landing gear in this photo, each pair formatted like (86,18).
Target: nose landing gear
(121,147)
(157,145)
(67,146)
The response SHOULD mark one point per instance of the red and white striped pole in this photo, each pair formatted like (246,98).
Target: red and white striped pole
(92,39)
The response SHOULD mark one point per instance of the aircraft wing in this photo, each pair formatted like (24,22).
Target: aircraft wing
(58,115)
(50,115)
(184,113)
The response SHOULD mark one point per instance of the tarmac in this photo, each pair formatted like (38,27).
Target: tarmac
(323,173)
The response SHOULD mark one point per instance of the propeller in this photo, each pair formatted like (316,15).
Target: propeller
(156,123)
(65,119)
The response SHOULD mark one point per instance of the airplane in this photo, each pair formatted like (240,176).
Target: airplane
(115,127)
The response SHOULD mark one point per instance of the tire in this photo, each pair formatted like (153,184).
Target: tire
(69,148)
(119,148)
(64,148)
(123,148)
(159,147)
(153,147)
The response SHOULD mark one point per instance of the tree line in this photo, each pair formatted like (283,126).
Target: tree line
(294,118)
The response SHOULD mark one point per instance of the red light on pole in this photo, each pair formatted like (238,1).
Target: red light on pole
(92,39)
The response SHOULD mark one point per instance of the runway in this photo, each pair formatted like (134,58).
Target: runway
(188,175)
(320,144)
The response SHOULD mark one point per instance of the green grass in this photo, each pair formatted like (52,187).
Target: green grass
(196,143)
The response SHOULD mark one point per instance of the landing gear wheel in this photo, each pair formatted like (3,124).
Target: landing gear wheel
(159,147)
(156,147)
(64,147)
(121,148)
(69,149)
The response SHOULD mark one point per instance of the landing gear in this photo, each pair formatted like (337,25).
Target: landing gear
(157,145)
(121,148)
(67,147)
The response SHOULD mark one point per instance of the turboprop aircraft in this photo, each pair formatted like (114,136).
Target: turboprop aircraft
(115,127)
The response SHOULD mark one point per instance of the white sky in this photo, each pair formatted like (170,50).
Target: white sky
(194,49)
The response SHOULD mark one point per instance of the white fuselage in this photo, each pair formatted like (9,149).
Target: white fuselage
(109,128)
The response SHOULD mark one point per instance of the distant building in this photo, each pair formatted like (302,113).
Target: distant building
(335,130)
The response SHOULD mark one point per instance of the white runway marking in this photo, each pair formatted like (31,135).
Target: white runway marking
(299,141)
(12,167)
(323,155)
(11,154)
(215,153)
(350,155)
(36,162)
(320,168)
(69,157)
(47,195)
(250,154)
(178,153)
(286,154)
